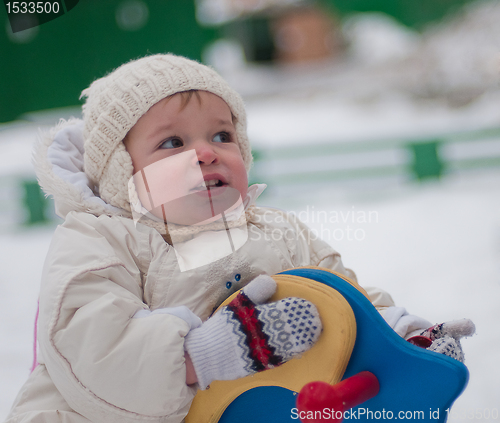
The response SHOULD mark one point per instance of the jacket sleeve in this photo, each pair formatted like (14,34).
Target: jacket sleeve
(108,366)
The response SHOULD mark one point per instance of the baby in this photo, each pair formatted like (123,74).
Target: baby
(160,227)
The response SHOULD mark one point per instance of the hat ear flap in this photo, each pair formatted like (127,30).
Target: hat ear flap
(113,186)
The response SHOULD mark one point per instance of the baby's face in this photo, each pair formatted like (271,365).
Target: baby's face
(189,158)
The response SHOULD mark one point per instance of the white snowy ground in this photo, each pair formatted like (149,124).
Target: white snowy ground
(434,247)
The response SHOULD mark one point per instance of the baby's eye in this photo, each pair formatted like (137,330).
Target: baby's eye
(172,143)
(222,137)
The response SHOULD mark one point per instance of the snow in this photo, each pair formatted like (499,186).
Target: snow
(299,121)
(16,141)
(434,246)
(378,38)
(23,254)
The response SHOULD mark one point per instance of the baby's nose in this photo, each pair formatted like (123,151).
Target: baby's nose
(205,154)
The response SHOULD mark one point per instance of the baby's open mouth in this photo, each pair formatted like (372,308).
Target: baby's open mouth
(212,183)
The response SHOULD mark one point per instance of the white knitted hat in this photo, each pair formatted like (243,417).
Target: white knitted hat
(115,103)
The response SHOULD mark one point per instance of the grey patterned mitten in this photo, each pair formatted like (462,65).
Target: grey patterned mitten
(247,336)
(445,337)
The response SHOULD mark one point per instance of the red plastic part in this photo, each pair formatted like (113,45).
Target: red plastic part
(318,396)
(420,341)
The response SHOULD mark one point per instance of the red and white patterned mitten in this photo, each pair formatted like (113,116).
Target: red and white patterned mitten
(246,336)
(445,338)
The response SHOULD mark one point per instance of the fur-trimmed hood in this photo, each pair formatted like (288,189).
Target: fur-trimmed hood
(58,161)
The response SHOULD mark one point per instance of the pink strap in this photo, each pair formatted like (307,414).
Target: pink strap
(35,360)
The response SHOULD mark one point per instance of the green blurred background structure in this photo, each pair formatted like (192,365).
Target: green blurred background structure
(48,66)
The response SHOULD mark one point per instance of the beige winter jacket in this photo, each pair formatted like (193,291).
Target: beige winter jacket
(97,362)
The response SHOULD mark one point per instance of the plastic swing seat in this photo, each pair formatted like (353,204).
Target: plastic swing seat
(415,384)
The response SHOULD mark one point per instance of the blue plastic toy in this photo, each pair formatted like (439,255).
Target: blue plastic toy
(415,384)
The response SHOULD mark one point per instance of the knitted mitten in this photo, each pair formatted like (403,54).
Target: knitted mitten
(445,337)
(245,337)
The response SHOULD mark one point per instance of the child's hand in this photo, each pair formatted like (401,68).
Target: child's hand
(245,337)
(445,337)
